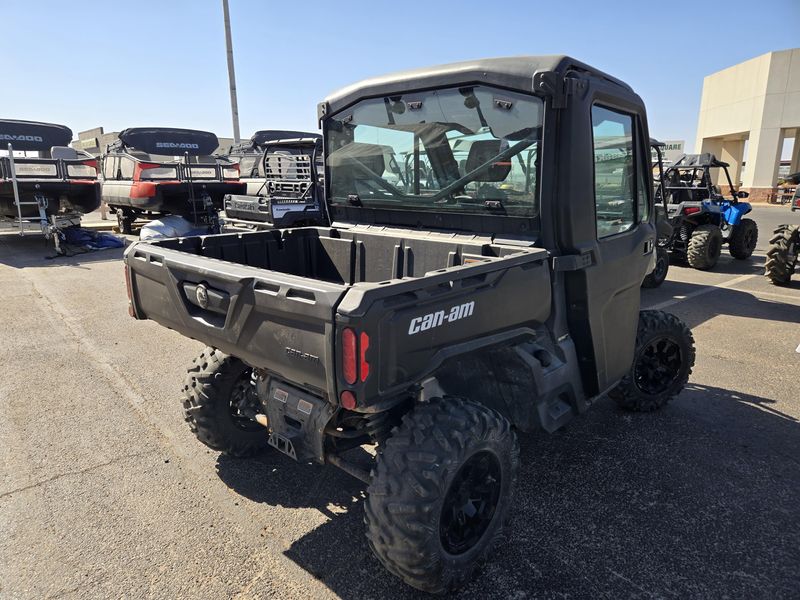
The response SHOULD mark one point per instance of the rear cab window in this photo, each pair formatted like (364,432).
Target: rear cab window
(467,150)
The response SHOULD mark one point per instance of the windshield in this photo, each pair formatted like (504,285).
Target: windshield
(467,150)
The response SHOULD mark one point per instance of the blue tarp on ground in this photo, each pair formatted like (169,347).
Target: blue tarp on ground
(91,240)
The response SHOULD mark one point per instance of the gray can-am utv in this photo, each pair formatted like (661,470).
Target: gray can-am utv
(434,321)
(284,181)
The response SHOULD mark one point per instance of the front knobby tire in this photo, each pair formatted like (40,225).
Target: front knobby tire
(662,363)
(659,274)
(743,239)
(440,493)
(705,245)
(217,387)
(782,255)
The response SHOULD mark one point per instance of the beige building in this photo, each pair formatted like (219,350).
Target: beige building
(758,102)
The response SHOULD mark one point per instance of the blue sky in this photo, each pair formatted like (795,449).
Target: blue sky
(144,62)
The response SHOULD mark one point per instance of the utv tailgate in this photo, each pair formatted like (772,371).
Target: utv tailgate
(271,320)
(280,299)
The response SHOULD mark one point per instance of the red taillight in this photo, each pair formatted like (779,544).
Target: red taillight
(348,400)
(690,210)
(363,364)
(349,365)
(355,366)
(90,163)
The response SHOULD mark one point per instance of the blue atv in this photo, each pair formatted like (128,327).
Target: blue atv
(702,219)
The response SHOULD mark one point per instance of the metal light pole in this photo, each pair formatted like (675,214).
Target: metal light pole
(231,74)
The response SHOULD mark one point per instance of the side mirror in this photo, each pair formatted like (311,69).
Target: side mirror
(742,194)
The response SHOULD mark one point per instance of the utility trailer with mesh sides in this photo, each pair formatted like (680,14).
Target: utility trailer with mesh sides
(491,225)
(154,171)
(284,181)
(47,192)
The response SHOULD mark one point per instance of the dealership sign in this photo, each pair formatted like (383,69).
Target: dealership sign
(671,150)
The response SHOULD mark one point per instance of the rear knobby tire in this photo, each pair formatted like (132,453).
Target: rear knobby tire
(662,363)
(782,255)
(743,239)
(419,524)
(704,247)
(659,274)
(216,385)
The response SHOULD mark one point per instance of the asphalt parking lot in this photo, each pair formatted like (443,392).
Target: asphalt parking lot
(105,493)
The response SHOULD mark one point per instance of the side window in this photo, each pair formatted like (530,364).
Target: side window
(110,167)
(614,171)
(126,167)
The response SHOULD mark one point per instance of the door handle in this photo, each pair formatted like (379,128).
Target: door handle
(648,246)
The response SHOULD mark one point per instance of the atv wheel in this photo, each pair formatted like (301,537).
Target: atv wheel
(782,255)
(217,389)
(124,222)
(704,247)
(662,363)
(743,239)
(659,274)
(440,493)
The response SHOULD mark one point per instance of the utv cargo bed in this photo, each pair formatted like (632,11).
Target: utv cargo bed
(278,299)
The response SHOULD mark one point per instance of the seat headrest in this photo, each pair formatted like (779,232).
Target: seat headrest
(483,150)
(64,153)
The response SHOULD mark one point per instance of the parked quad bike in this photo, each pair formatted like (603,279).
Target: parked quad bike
(782,256)
(704,220)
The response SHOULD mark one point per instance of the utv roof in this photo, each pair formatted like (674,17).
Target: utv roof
(272,135)
(169,141)
(514,72)
(698,161)
(32,135)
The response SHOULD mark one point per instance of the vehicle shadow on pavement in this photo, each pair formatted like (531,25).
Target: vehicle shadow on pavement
(35,252)
(726,301)
(697,500)
(727,265)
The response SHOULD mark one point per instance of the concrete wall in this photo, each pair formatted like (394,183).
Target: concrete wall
(757,100)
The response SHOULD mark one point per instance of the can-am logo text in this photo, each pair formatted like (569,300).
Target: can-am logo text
(440,317)
(182,145)
(20,138)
